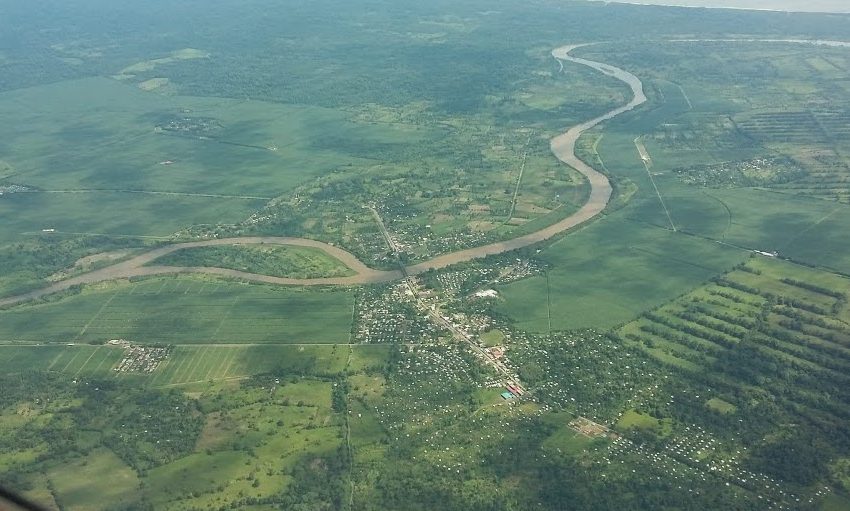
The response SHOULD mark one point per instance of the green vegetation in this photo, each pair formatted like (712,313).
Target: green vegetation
(276,260)
(99,481)
(665,366)
(185,310)
(193,364)
(610,271)
(32,263)
(720,405)
(285,431)
(771,340)
(637,420)
(493,337)
(714,136)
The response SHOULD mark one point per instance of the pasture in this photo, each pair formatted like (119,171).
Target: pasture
(99,481)
(188,365)
(279,431)
(185,310)
(197,364)
(609,272)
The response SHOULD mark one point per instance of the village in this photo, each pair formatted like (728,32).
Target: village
(8,189)
(383,314)
(139,358)
(589,384)
(415,241)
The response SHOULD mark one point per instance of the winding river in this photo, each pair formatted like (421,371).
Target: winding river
(563,147)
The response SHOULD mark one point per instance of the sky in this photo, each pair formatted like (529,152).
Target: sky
(779,5)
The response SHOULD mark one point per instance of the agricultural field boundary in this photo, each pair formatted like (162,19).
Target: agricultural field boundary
(562,146)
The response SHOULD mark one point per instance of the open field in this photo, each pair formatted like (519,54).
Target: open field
(185,310)
(608,272)
(187,364)
(27,214)
(98,482)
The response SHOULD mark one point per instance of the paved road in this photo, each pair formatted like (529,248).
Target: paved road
(563,146)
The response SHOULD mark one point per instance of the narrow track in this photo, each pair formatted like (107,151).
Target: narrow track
(562,146)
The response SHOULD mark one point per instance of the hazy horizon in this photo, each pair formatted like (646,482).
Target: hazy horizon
(825,6)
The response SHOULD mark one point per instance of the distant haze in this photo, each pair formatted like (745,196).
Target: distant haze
(773,5)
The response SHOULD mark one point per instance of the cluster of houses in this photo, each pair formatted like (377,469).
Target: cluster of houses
(139,358)
(521,269)
(698,456)
(7,189)
(755,171)
(385,316)
(422,242)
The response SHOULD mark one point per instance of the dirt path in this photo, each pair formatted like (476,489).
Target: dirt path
(563,147)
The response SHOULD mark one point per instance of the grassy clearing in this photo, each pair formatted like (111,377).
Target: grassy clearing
(366,430)
(276,260)
(185,310)
(98,481)
(369,357)
(566,441)
(721,406)
(492,337)
(635,419)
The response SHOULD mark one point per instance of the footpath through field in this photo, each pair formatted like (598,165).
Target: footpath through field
(562,146)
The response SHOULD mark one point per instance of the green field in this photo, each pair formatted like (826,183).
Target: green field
(609,272)
(279,261)
(187,364)
(185,310)
(635,419)
(192,364)
(99,481)
(699,123)
(492,337)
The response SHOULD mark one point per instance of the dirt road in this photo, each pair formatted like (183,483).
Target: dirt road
(563,146)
